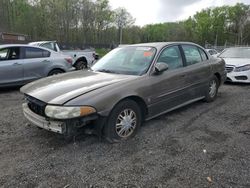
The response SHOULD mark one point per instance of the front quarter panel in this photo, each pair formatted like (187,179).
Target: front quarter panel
(104,99)
(218,66)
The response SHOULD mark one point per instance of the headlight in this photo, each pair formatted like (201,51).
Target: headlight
(63,112)
(243,68)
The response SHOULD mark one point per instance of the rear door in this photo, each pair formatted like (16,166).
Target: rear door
(11,69)
(198,69)
(169,88)
(36,62)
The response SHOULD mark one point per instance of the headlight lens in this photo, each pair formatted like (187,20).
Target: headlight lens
(243,68)
(63,112)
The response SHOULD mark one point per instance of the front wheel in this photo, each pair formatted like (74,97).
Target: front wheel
(55,72)
(81,65)
(212,90)
(123,122)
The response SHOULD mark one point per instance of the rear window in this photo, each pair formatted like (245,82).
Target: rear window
(48,45)
(35,53)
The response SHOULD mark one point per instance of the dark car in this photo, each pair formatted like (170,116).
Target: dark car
(127,86)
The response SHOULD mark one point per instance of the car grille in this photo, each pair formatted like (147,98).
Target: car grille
(229,68)
(36,106)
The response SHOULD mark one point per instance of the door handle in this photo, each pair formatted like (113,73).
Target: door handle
(16,64)
(45,61)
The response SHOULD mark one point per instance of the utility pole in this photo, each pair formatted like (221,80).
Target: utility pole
(216,40)
(120,41)
(121,23)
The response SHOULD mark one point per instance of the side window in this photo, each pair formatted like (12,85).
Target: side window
(172,57)
(9,53)
(4,54)
(30,52)
(192,54)
(203,55)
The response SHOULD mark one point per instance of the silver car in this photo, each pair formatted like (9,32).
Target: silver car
(20,64)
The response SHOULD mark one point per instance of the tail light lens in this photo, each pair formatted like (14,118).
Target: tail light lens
(69,60)
(95,56)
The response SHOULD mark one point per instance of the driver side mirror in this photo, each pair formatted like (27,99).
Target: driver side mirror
(160,67)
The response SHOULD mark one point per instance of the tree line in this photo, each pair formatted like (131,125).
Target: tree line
(94,23)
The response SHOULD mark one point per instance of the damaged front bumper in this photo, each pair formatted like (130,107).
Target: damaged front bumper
(66,127)
(42,122)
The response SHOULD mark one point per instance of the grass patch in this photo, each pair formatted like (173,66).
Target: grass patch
(102,51)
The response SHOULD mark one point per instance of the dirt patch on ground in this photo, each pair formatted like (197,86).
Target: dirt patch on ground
(180,149)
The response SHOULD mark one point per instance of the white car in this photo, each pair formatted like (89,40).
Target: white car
(81,58)
(237,64)
(213,52)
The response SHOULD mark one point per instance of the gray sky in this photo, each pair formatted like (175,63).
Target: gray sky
(157,11)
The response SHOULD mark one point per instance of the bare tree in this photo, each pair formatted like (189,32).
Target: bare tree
(123,19)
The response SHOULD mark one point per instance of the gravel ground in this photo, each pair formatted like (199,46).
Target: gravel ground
(201,145)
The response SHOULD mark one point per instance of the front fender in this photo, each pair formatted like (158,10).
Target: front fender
(88,59)
(104,99)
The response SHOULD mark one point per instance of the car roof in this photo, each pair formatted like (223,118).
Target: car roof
(13,45)
(40,42)
(23,45)
(160,45)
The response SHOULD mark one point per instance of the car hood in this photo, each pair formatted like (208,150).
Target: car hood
(238,62)
(62,88)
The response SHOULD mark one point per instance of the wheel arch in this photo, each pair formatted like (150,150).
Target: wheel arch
(82,58)
(56,69)
(218,77)
(141,104)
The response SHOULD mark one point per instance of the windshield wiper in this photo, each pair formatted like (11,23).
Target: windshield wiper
(106,71)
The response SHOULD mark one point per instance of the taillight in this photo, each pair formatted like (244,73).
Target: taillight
(69,60)
(95,56)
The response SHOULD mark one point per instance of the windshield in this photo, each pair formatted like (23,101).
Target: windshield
(132,60)
(236,53)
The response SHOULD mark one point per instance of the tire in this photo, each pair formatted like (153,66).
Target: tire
(81,65)
(212,90)
(123,122)
(55,72)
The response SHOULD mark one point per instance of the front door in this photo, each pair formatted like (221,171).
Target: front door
(169,88)
(11,69)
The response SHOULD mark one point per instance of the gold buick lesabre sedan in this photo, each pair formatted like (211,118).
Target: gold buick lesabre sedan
(130,84)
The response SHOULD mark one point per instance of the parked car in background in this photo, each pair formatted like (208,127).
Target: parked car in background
(82,59)
(213,52)
(127,86)
(20,64)
(237,64)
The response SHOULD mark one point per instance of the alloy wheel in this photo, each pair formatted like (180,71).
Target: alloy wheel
(126,123)
(212,88)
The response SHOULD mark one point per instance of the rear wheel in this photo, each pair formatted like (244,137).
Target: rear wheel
(55,72)
(123,122)
(81,65)
(212,90)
